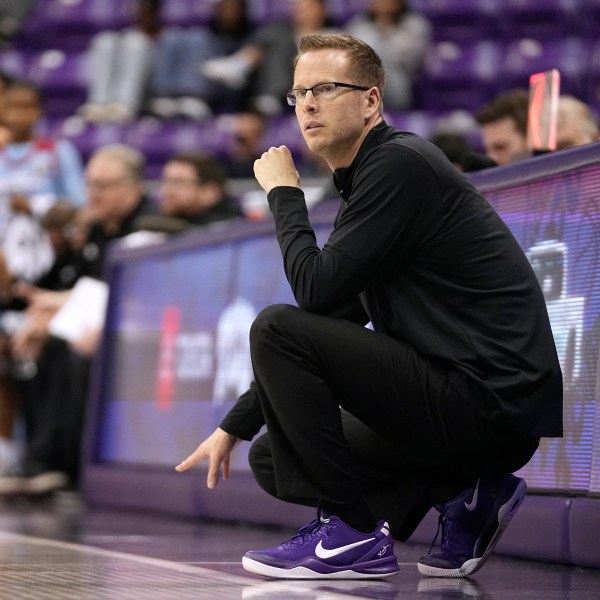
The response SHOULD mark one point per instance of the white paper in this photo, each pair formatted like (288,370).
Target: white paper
(84,310)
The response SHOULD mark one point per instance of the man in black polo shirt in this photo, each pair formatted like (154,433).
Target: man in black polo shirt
(448,394)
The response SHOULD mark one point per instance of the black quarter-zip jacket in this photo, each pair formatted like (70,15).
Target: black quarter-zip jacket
(420,253)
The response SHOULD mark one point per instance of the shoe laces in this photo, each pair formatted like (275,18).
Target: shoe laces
(444,525)
(318,528)
(437,533)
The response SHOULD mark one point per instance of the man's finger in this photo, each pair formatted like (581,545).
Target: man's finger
(190,461)
(213,475)
(183,465)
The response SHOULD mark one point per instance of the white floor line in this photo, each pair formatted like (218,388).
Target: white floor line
(145,560)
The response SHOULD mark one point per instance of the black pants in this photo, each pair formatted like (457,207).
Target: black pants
(354,415)
(54,407)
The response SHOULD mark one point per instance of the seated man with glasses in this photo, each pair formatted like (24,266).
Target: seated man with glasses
(442,400)
(116,198)
(54,394)
(192,193)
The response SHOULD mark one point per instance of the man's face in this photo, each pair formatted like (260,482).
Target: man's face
(111,192)
(571,133)
(503,142)
(21,112)
(332,126)
(179,189)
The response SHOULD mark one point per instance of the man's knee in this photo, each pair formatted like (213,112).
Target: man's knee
(269,320)
(261,464)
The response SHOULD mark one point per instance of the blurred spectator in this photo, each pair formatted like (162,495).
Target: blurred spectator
(576,125)
(462,155)
(192,193)
(120,63)
(455,146)
(400,36)
(54,387)
(34,172)
(12,15)
(116,198)
(263,67)
(58,223)
(5,81)
(60,276)
(9,447)
(177,86)
(248,143)
(503,124)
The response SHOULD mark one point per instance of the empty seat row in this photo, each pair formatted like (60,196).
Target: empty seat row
(455,75)
(466,75)
(462,20)
(72,22)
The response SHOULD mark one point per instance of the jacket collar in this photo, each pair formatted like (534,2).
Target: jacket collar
(342,178)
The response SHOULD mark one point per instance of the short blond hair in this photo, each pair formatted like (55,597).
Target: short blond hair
(364,65)
(132,160)
(571,109)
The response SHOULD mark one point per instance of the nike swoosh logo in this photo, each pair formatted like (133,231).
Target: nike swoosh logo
(331,552)
(471,505)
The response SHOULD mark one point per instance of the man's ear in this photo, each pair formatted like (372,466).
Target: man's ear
(374,101)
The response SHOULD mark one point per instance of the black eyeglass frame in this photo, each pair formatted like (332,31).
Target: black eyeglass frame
(292,100)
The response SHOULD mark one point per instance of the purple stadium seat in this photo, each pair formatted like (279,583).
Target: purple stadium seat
(158,140)
(183,13)
(265,11)
(591,80)
(356,6)
(88,137)
(91,15)
(428,123)
(458,76)
(460,20)
(153,138)
(538,19)
(416,121)
(527,56)
(186,13)
(208,136)
(588,18)
(71,23)
(54,69)
(63,79)
(284,130)
(341,11)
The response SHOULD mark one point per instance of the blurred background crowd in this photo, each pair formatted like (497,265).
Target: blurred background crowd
(124,115)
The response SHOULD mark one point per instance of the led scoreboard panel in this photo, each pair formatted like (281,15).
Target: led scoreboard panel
(175,352)
(552,205)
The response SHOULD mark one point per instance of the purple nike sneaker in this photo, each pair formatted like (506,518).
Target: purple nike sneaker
(327,548)
(472,525)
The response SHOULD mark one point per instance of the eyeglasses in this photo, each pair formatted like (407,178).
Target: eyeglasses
(324,90)
(178,183)
(103,186)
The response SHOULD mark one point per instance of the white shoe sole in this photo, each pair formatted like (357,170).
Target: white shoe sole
(259,568)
